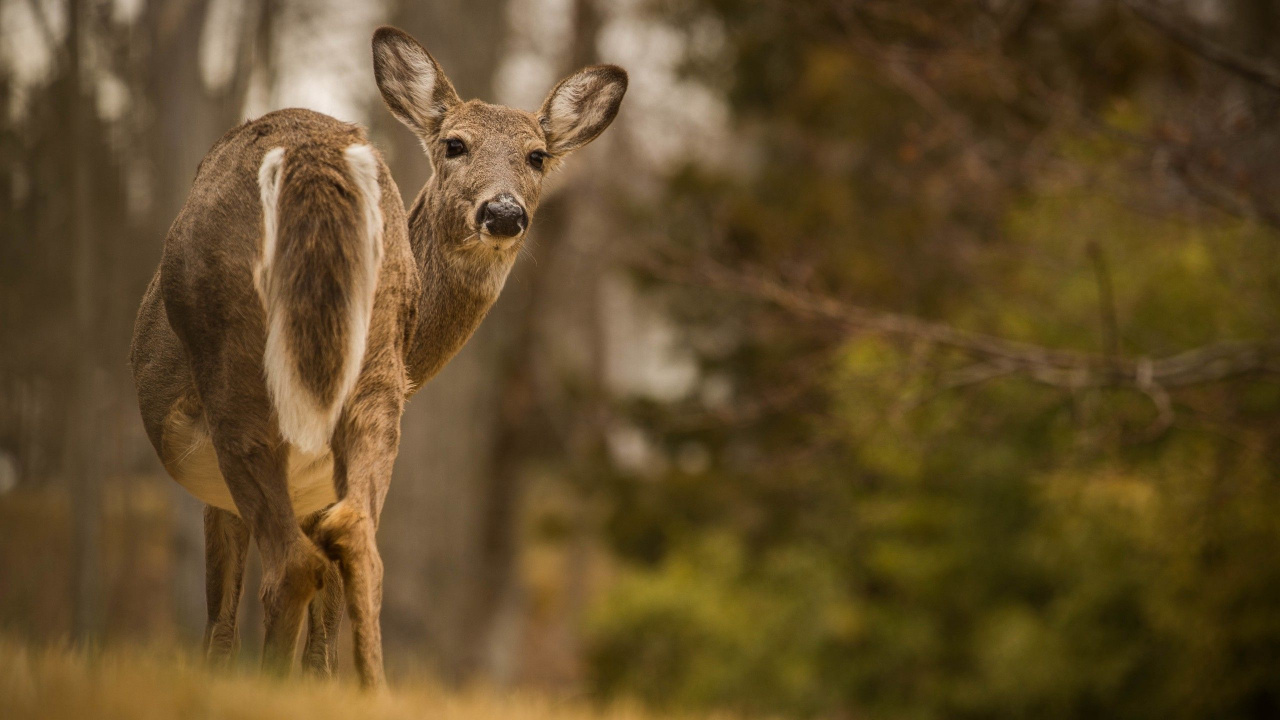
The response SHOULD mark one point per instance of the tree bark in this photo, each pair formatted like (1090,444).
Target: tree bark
(85,453)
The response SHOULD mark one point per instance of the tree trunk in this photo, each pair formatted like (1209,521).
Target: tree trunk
(84,455)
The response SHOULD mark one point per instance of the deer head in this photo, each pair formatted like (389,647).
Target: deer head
(489,160)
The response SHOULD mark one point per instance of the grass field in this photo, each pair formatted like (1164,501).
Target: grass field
(57,683)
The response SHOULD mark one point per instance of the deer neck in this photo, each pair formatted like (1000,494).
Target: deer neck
(460,282)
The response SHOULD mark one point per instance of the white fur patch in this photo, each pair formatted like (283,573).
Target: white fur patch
(363,165)
(190,458)
(269,186)
(364,171)
(304,421)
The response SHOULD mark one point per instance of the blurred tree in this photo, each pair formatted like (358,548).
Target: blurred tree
(87,423)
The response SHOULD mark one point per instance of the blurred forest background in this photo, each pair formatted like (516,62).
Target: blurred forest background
(900,359)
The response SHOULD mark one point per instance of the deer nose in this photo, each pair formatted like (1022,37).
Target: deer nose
(502,217)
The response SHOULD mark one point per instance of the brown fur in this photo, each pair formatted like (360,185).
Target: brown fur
(201,331)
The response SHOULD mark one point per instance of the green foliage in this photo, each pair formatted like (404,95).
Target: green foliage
(940,571)
(685,628)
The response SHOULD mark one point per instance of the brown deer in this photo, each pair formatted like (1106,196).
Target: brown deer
(295,309)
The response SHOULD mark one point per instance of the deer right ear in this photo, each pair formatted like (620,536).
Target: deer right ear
(413,86)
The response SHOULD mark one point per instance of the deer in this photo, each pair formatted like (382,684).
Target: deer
(297,307)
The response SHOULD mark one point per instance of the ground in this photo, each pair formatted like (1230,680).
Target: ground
(57,682)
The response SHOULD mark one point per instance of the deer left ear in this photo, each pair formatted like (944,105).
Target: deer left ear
(581,106)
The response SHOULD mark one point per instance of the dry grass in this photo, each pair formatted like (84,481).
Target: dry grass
(57,683)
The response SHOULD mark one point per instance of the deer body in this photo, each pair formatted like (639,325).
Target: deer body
(296,308)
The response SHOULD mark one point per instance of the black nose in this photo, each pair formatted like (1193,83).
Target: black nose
(503,217)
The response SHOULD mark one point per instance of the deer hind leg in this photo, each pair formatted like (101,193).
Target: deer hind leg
(253,463)
(364,445)
(324,615)
(226,544)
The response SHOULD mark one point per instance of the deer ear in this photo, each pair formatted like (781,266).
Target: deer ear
(413,86)
(582,106)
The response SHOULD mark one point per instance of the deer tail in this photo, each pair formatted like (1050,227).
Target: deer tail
(316,276)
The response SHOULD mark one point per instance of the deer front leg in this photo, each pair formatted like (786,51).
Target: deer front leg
(226,544)
(364,446)
(324,615)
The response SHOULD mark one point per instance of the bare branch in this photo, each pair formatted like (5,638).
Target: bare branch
(999,356)
(1164,408)
(1222,57)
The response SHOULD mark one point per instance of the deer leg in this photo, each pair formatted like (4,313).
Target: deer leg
(349,534)
(292,568)
(226,544)
(324,615)
(364,446)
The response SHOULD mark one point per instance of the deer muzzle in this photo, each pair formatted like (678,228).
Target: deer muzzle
(503,216)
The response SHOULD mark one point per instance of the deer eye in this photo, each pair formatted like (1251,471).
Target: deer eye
(537,158)
(453,147)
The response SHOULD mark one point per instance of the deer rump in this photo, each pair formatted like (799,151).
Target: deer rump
(316,275)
